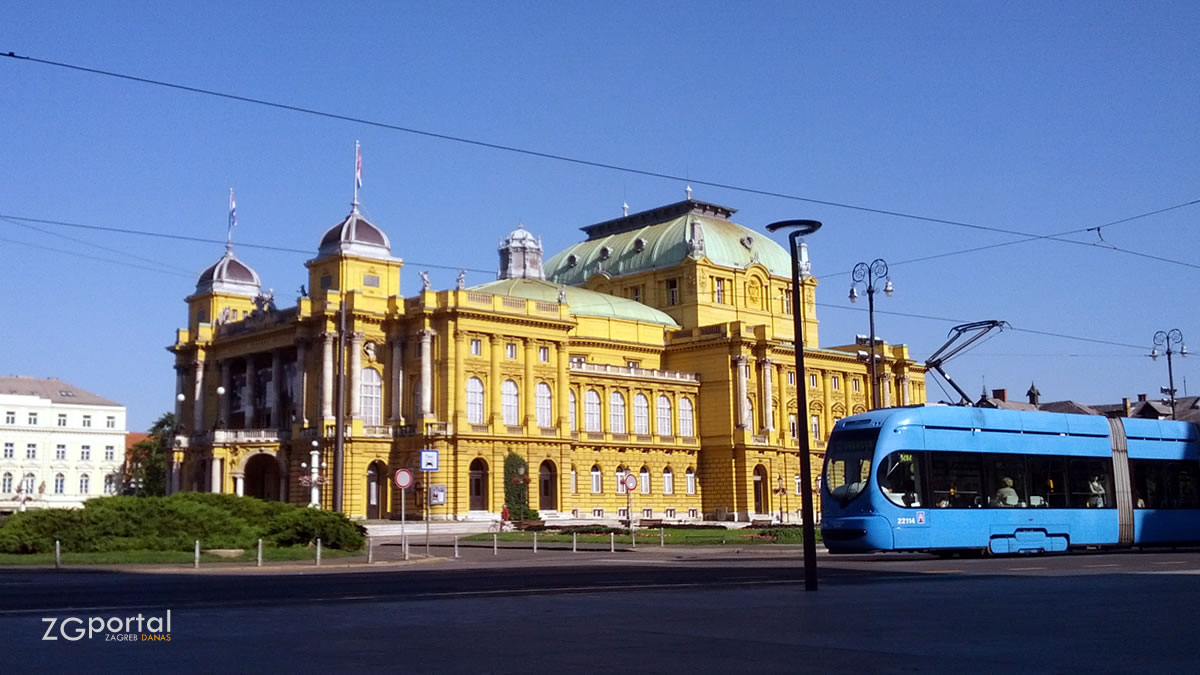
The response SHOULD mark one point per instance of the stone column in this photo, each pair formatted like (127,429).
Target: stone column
(564,400)
(175,471)
(458,391)
(426,372)
(214,469)
(826,404)
(251,392)
(239,484)
(529,400)
(768,391)
(300,385)
(197,395)
(356,343)
(493,386)
(397,381)
(327,376)
(223,400)
(905,397)
(739,365)
(276,389)
(887,390)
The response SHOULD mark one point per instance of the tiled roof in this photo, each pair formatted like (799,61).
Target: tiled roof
(50,388)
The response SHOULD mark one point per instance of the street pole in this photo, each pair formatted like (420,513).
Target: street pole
(1169,338)
(868,274)
(798,229)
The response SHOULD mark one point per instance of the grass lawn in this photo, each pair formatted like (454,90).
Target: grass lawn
(669,536)
(174,557)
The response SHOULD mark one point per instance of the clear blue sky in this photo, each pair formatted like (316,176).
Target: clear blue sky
(1038,117)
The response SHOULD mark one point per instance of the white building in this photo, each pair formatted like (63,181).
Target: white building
(60,444)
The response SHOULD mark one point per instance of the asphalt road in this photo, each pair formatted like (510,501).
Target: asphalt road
(650,611)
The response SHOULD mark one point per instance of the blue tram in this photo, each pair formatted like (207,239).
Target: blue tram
(942,478)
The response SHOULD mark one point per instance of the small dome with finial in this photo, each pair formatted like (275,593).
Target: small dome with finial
(229,275)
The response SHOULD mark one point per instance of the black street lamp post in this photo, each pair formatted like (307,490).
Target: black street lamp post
(799,228)
(868,274)
(1168,338)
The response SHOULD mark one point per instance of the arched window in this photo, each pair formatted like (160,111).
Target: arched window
(84,484)
(60,484)
(664,416)
(110,482)
(621,471)
(597,480)
(668,481)
(573,411)
(645,480)
(687,427)
(591,411)
(545,405)
(616,413)
(512,403)
(6,484)
(27,484)
(691,481)
(371,398)
(641,415)
(475,400)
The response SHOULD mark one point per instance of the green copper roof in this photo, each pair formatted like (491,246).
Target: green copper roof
(581,300)
(663,238)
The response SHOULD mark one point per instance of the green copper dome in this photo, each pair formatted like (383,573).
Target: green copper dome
(581,300)
(665,237)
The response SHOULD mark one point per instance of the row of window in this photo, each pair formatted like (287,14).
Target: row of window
(10,417)
(60,452)
(644,480)
(26,486)
(510,350)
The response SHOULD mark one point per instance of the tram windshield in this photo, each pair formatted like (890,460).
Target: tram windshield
(848,462)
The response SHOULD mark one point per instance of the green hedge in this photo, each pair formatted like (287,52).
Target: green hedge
(174,524)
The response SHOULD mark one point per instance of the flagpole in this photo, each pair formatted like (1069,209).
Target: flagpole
(232,221)
(357,173)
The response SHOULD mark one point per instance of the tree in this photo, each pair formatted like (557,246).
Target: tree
(146,467)
(516,488)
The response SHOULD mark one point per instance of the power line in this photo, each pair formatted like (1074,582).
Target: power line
(124,263)
(93,245)
(531,153)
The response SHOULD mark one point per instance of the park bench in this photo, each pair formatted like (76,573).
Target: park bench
(650,522)
(761,522)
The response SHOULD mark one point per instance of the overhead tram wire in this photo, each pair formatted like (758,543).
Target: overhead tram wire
(126,263)
(534,153)
(202,240)
(181,237)
(94,245)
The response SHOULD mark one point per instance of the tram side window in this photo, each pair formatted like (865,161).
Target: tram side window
(1047,482)
(955,480)
(1159,484)
(900,478)
(1091,483)
(1006,476)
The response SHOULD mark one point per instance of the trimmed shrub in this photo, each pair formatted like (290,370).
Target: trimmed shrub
(302,527)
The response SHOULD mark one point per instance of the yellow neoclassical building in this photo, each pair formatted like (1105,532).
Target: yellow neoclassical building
(660,346)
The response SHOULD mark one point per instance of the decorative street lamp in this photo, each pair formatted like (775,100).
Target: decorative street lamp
(868,274)
(781,493)
(1167,338)
(800,228)
(314,480)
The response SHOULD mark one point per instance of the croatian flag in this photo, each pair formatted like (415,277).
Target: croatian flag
(357,166)
(232,209)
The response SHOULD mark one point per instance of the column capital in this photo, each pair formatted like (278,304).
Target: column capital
(426,334)
(357,336)
(766,362)
(740,359)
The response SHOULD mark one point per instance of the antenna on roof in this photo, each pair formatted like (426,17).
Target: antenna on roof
(688,190)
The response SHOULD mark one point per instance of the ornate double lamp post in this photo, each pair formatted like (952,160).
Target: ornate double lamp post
(868,275)
(314,479)
(1168,339)
(799,228)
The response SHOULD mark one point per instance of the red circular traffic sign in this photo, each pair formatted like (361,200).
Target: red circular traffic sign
(404,478)
(630,481)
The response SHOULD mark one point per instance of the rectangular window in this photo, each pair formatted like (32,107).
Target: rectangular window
(10,417)
(815,422)
(693,513)
(647,513)
(791,379)
(578,360)
(691,482)
(544,354)
(326,282)
(476,347)
(110,453)
(31,451)
(672,291)
(60,452)
(622,512)
(792,426)
(574,481)
(668,483)
(633,364)
(621,489)
(87,421)
(62,420)
(85,453)
(371,280)
(33,419)
(8,451)
(787,301)
(597,482)
(668,513)
(799,485)
(835,382)
(719,291)
(597,513)
(854,385)
(637,293)
(510,351)
(812,380)
(645,482)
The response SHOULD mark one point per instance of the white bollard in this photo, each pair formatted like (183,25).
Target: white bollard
(196,562)
(535,542)
(495,549)
(662,536)
(456,546)
(318,551)
(370,551)
(612,542)
(574,542)
(57,555)
(260,553)
(405,547)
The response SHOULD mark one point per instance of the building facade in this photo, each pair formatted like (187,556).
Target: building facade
(61,445)
(659,346)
